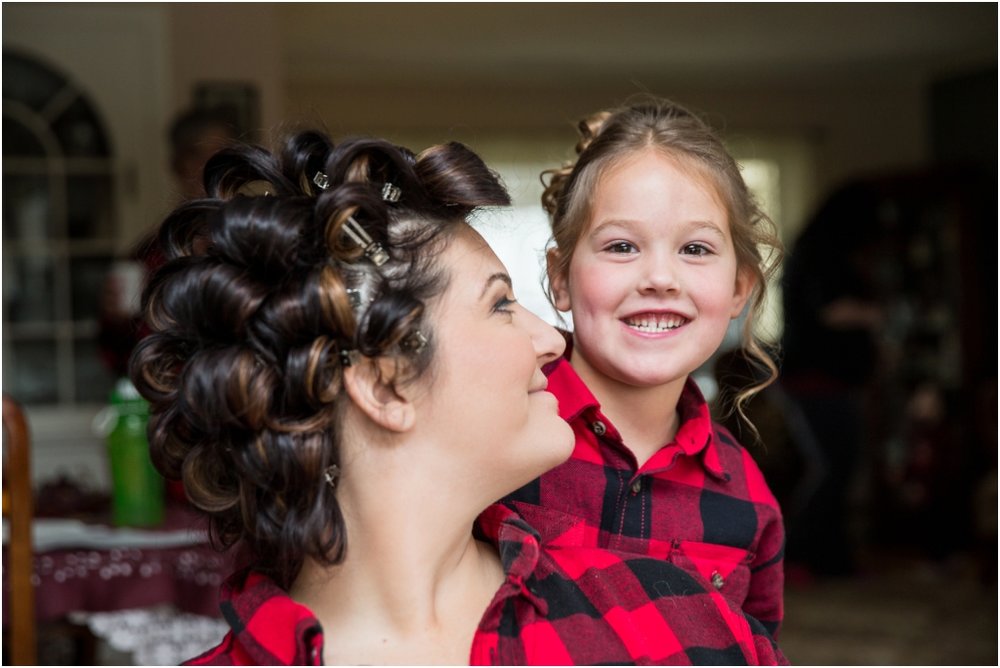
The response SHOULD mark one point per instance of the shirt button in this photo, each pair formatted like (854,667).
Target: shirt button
(637,486)
(599,428)
(717,580)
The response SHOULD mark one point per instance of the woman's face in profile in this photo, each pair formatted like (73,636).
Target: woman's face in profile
(486,396)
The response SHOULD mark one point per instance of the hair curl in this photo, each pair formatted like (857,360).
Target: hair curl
(251,311)
(609,136)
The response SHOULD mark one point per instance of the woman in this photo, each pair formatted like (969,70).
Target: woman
(339,372)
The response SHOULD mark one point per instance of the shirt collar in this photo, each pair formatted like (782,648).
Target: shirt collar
(271,627)
(519,545)
(696,435)
(574,395)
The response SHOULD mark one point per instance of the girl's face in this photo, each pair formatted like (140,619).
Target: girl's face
(653,281)
(486,392)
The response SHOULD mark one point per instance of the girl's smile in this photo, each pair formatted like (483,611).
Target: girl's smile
(655,322)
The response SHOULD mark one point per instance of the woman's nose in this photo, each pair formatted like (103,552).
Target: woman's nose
(548,342)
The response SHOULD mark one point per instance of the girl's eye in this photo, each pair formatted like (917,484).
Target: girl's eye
(696,249)
(503,305)
(621,247)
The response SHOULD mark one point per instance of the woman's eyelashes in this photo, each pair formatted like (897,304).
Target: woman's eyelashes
(504,304)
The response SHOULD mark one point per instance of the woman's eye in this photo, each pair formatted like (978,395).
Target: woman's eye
(696,249)
(503,305)
(621,247)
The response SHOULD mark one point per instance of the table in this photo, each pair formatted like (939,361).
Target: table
(150,591)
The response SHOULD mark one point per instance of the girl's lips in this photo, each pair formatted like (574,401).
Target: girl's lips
(655,322)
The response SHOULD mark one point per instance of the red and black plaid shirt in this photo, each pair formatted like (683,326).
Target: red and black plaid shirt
(559,605)
(700,502)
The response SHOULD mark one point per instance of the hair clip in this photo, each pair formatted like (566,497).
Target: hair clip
(257,188)
(354,297)
(347,357)
(414,342)
(321,180)
(373,249)
(391,193)
(330,474)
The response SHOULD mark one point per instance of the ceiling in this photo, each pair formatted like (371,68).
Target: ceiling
(646,44)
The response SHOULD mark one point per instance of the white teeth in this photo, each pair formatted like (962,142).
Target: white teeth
(656,323)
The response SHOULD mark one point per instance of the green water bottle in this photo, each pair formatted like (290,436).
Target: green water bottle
(137,496)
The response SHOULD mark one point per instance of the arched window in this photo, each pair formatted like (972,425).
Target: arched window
(59,232)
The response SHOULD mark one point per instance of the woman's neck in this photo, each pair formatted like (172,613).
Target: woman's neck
(414,583)
(646,417)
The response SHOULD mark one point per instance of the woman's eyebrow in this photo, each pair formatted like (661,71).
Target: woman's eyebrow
(499,276)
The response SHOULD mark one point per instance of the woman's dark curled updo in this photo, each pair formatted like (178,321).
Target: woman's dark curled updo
(261,291)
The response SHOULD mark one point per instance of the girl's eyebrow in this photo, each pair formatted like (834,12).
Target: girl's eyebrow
(628,225)
(624,224)
(499,276)
(708,226)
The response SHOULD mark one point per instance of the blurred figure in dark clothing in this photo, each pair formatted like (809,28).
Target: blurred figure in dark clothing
(832,317)
(194,137)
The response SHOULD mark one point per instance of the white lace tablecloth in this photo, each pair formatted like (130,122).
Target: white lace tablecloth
(155,636)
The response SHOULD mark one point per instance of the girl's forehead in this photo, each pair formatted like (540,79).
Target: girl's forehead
(635,165)
(688,165)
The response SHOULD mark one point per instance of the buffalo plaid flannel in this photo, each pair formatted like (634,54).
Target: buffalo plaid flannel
(700,502)
(561,604)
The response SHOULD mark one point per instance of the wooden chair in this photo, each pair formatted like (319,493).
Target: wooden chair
(17,511)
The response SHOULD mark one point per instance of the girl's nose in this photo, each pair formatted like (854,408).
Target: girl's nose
(548,342)
(658,275)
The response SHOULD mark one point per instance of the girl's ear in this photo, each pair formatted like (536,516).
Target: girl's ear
(558,283)
(745,282)
(371,386)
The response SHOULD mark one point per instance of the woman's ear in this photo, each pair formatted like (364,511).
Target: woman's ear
(558,284)
(370,383)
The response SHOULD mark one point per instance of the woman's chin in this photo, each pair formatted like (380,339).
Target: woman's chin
(558,445)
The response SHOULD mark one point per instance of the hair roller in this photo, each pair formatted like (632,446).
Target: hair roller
(208,481)
(303,155)
(232,168)
(357,201)
(185,230)
(373,162)
(267,236)
(458,179)
(335,302)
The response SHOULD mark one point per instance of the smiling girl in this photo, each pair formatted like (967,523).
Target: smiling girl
(658,245)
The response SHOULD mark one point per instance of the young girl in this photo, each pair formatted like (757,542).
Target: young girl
(658,245)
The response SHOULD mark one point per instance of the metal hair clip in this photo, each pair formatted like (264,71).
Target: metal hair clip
(354,297)
(321,180)
(373,249)
(330,474)
(414,342)
(347,357)
(391,193)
